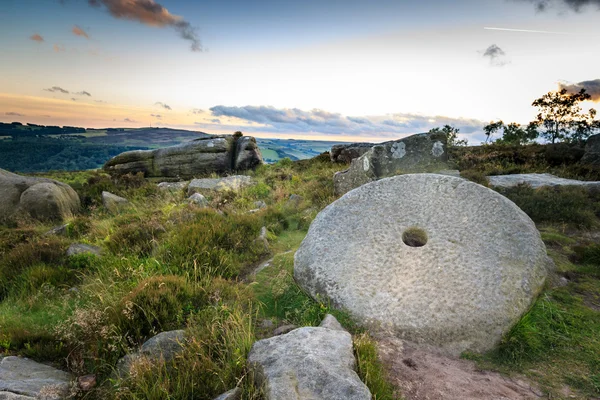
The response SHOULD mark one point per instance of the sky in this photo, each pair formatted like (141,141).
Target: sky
(344,70)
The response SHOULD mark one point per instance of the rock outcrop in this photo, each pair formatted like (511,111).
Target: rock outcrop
(39,198)
(216,154)
(307,363)
(232,183)
(425,152)
(539,180)
(592,151)
(433,259)
(113,203)
(345,153)
(21,378)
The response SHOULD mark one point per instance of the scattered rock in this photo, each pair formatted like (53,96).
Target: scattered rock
(294,200)
(113,203)
(263,238)
(539,180)
(233,394)
(198,199)
(202,156)
(307,363)
(86,382)
(39,198)
(173,186)
(81,248)
(260,204)
(58,231)
(266,324)
(282,330)
(592,151)
(330,322)
(230,183)
(476,262)
(345,153)
(425,152)
(21,376)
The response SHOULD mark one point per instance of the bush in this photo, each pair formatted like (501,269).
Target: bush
(475,176)
(137,238)
(589,254)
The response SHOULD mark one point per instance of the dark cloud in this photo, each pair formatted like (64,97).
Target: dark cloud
(496,55)
(14,114)
(83,93)
(128,120)
(575,5)
(163,105)
(78,31)
(150,13)
(36,38)
(321,121)
(158,116)
(54,89)
(591,87)
(215,121)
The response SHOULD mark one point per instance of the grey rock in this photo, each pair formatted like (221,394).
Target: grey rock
(294,200)
(38,198)
(81,248)
(198,199)
(266,324)
(260,204)
(166,346)
(230,183)
(13,396)
(233,394)
(173,186)
(539,180)
(345,153)
(113,203)
(25,377)
(330,322)
(58,231)
(282,330)
(202,156)
(481,267)
(592,151)
(425,152)
(307,363)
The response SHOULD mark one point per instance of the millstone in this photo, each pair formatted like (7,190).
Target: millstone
(430,258)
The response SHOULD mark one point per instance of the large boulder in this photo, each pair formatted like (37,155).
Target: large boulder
(345,153)
(430,258)
(39,198)
(202,156)
(592,151)
(21,378)
(307,363)
(425,152)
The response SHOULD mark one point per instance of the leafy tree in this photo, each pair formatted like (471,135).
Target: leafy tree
(561,116)
(513,133)
(451,135)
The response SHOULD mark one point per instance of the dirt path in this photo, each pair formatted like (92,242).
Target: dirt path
(424,374)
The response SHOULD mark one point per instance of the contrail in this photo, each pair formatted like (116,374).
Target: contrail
(526,30)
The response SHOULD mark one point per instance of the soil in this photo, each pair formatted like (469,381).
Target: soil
(423,373)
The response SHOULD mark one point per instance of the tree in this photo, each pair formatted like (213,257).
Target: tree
(561,116)
(451,135)
(512,133)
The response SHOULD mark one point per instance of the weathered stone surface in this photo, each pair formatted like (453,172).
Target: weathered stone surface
(482,264)
(230,183)
(282,330)
(198,200)
(345,153)
(307,363)
(539,180)
(425,152)
(215,154)
(330,322)
(25,377)
(592,151)
(113,203)
(39,198)
(173,186)
(233,394)
(164,346)
(81,248)
(58,231)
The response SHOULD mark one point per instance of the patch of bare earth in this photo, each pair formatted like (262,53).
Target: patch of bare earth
(421,373)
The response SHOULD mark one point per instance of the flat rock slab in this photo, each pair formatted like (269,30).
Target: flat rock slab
(81,248)
(21,376)
(307,363)
(538,180)
(232,183)
(479,269)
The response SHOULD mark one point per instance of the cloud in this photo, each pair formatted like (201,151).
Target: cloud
(575,5)
(100,101)
(286,120)
(215,121)
(128,120)
(58,48)
(157,116)
(73,98)
(37,38)
(54,89)
(591,87)
(496,55)
(197,111)
(150,13)
(14,114)
(83,93)
(77,31)
(163,105)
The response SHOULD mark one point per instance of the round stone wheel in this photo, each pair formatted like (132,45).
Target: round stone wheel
(433,259)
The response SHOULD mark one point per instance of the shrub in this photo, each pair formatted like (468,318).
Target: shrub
(589,254)
(78,227)
(137,238)
(475,176)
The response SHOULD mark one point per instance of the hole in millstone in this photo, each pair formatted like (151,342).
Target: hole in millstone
(414,237)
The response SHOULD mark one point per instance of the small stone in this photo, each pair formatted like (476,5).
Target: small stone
(282,330)
(58,231)
(330,322)
(113,203)
(173,186)
(81,248)
(260,204)
(266,324)
(86,382)
(294,200)
(198,200)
